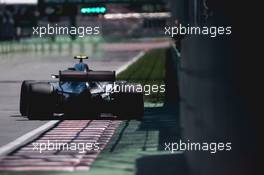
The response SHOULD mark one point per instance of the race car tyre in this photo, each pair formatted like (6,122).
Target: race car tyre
(41,101)
(24,97)
(129,105)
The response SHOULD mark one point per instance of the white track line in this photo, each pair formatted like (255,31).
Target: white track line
(10,146)
(133,60)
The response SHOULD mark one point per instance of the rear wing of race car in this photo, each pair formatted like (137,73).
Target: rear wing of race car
(81,76)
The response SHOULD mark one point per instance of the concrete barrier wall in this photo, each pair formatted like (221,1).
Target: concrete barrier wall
(215,89)
(211,107)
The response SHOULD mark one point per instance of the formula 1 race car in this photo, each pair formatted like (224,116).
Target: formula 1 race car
(80,93)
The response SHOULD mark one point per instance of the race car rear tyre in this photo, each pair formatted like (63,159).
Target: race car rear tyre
(24,97)
(41,101)
(129,105)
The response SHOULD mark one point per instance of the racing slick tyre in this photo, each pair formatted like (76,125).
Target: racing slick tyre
(24,97)
(129,105)
(41,101)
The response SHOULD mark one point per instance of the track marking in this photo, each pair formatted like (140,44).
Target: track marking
(10,146)
(125,66)
(28,159)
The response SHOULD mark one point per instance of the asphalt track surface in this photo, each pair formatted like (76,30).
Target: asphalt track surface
(17,67)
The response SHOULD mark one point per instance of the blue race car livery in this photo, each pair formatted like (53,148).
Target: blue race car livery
(80,93)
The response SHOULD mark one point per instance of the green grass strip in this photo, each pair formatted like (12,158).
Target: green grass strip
(148,70)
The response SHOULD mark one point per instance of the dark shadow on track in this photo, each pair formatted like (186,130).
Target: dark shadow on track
(120,136)
(166,121)
(162,164)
